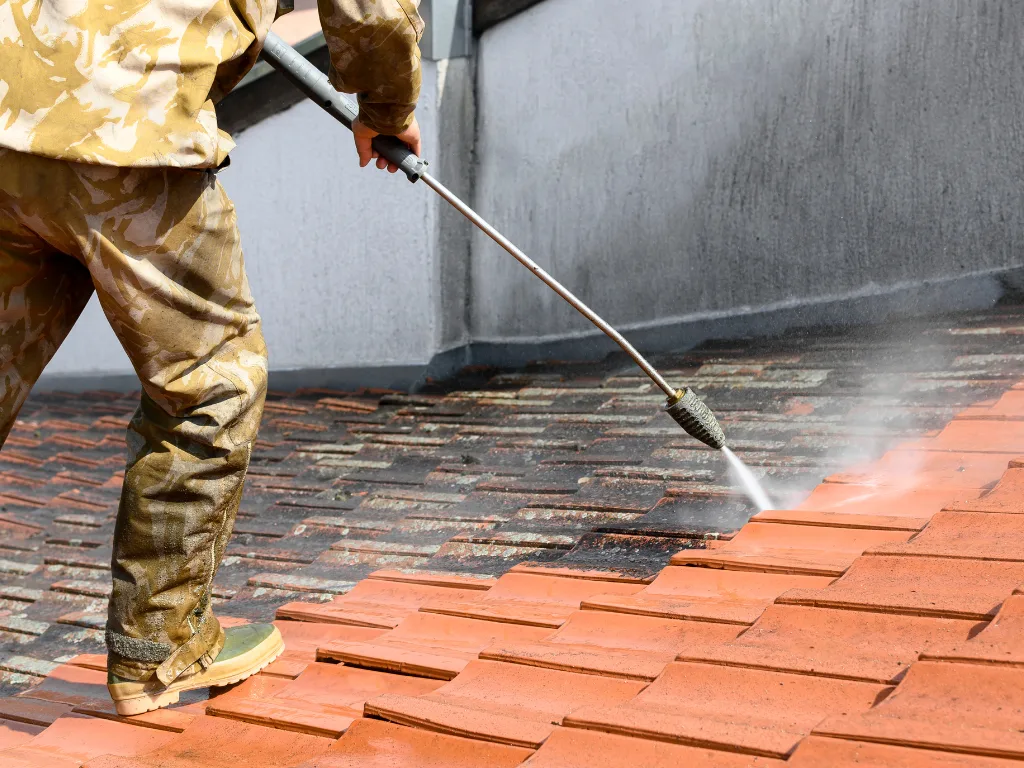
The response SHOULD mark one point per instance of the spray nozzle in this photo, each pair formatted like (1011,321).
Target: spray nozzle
(696,418)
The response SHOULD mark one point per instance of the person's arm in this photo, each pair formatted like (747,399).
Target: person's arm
(374,48)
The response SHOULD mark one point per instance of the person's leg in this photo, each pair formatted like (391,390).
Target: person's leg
(42,293)
(163,249)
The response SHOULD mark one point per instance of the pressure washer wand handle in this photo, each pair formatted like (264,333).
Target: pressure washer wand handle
(312,82)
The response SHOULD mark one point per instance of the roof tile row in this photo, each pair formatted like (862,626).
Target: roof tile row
(744,651)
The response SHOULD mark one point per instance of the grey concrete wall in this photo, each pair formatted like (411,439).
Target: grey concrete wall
(722,167)
(689,159)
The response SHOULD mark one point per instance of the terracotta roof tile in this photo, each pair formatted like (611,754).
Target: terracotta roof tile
(532,599)
(971,708)
(934,470)
(574,748)
(1001,642)
(212,742)
(14,734)
(377,603)
(839,519)
(919,586)
(815,751)
(854,645)
(322,701)
(966,535)
(32,711)
(759,712)
(375,744)
(613,644)
(73,739)
(793,549)
(1002,436)
(682,592)
(302,639)
(429,645)
(1007,496)
(503,703)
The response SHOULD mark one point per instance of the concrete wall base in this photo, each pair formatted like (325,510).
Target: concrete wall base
(871,306)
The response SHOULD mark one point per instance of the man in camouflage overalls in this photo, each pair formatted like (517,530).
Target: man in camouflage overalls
(108,147)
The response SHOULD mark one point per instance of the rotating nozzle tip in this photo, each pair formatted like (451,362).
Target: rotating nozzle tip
(696,418)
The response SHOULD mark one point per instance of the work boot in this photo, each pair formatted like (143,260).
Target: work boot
(247,649)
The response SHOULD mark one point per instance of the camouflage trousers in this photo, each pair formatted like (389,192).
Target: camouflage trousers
(160,247)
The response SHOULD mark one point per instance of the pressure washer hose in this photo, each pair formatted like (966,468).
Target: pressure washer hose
(683,405)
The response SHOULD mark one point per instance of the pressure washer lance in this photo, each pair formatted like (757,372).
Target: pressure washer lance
(684,406)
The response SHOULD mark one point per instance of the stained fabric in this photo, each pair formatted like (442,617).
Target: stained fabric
(161,249)
(133,83)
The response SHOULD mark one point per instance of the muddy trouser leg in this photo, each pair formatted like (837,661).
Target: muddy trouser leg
(172,283)
(42,293)
(163,252)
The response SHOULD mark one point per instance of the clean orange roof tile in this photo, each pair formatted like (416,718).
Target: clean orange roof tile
(173,719)
(936,470)
(978,436)
(1007,496)
(975,535)
(875,500)
(532,599)
(575,748)
(212,742)
(819,752)
(613,644)
(323,701)
(855,645)
(754,711)
(793,549)
(1001,642)
(710,594)
(73,739)
(256,687)
(504,703)
(285,667)
(13,734)
(812,517)
(920,586)
(972,708)
(375,744)
(430,645)
(1009,408)
(72,685)
(377,603)
(97,661)
(302,638)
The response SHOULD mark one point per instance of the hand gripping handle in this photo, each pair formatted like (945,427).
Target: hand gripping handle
(314,83)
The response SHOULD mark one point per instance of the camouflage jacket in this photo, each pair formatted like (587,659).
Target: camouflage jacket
(134,82)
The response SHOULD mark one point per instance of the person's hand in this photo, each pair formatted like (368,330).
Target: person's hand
(364,144)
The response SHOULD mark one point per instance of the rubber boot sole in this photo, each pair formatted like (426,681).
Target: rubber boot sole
(133,698)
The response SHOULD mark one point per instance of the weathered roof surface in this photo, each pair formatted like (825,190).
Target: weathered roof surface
(541,567)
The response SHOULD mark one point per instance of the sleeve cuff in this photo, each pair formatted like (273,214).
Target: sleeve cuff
(387,119)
